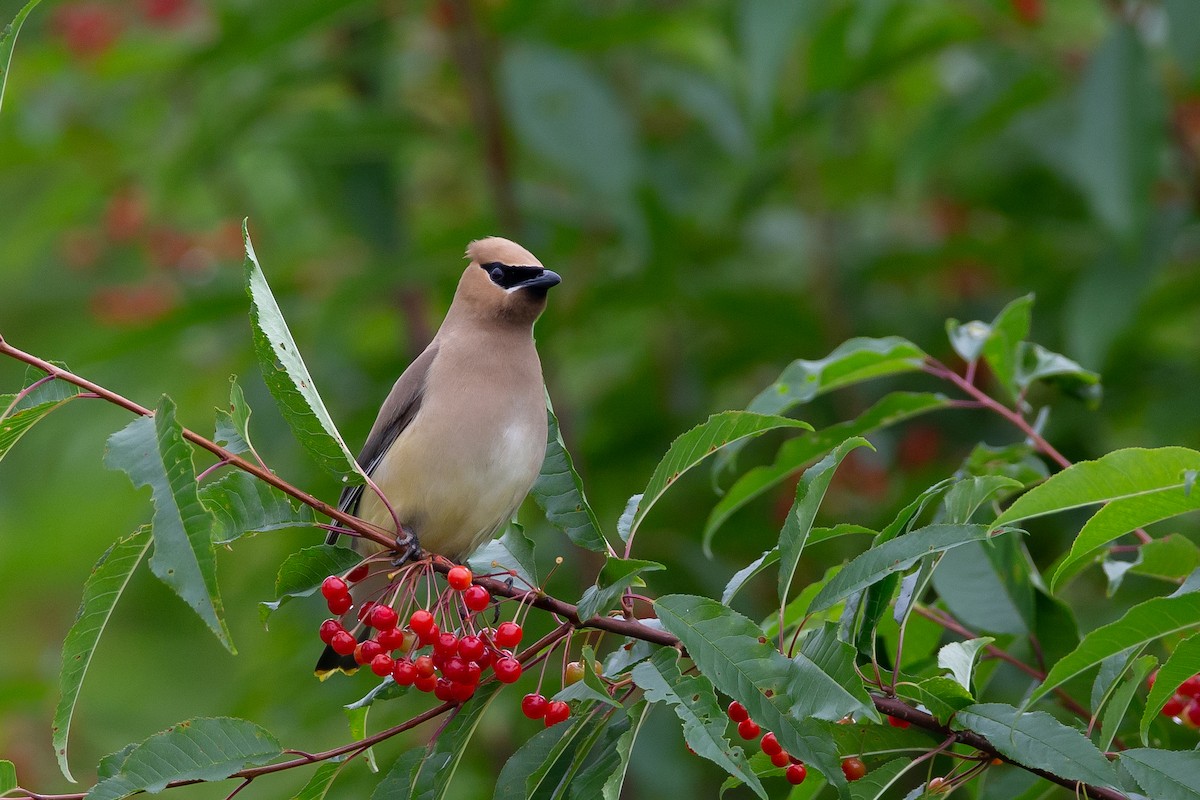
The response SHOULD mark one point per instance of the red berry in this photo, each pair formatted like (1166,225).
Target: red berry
(382,664)
(461,692)
(421,621)
(473,673)
(781,759)
(534,706)
(748,729)
(796,774)
(556,712)
(1190,687)
(365,610)
(1150,680)
(485,660)
(340,604)
(508,634)
(383,618)
(1192,713)
(358,573)
(445,645)
(738,712)
(425,683)
(366,651)
(459,578)
(853,768)
(508,670)
(343,643)
(442,691)
(770,745)
(333,586)
(476,598)
(573,673)
(896,722)
(425,667)
(1174,706)
(393,639)
(455,669)
(404,672)
(471,647)
(328,628)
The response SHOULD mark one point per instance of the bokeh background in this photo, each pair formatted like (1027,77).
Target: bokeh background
(723,186)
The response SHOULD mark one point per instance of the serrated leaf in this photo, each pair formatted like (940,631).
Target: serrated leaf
(810,491)
(558,491)
(153,452)
(960,658)
(1036,739)
(1165,774)
(835,658)
(589,688)
(302,572)
(322,779)
(8,40)
(730,650)
(233,426)
(988,585)
(718,431)
(512,552)
(872,739)
(101,592)
(877,783)
(795,453)
(8,777)
(429,778)
(1017,461)
(521,778)
(694,702)
(942,696)
(895,556)
(242,504)
(967,495)
(617,575)
(205,749)
(1140,625)
(1118,704)
(1183,663)
(288,379)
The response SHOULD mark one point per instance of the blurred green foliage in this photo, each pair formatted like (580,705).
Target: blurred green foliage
(724,187)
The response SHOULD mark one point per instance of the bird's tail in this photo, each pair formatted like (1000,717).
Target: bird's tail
(330,662)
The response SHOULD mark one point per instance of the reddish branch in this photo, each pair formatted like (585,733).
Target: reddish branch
(630,628)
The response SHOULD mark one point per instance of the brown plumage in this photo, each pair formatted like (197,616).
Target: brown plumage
(459,440)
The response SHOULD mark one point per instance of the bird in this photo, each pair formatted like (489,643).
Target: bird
(460,439)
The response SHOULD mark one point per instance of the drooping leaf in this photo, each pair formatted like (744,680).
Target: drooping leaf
(241,504)
(321,780)
(1141,624)
(727,648)
(960,658)
(835,658)
(233,426)
(795,453)
(743,575)
(8,40)
(302,572)
(1002,348)
(1017,461)
(966,496)
(512,552)
(1036,363)
(694,702)
(387,689)
(101,592)
(810,491)
(1183,663)
(895,556)
(718,431)
(1036,739)
(206,749)
(605,775)
(1114,712)
(288,379)
(617,575)
(153,452)
(625,521)
(1171,557)
(558,491)
(1165,774)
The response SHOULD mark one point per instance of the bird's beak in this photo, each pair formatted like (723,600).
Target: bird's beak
(543,282)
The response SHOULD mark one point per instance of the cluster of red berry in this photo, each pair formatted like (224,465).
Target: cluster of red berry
(852,767)
(455,661)
(1184,705)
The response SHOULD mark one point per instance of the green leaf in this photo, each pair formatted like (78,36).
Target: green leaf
(1133,474)
(1017,461)
(727,649)
(743,575)
(1141,624)
(288,378)
(241,504)
(988,585)
(302,572)
(430,777)
(1036,363)
(718,431)
(512,552)
(1171,557)
(558,491)
(1114,713)
(966,496)
(605,776)
(320,782)
(1183,663)
(942,696)
(968,338)
(152,451)
(960,658)
(204,749)
(877,783)
(25,409)
(625,521)
(1165,774)
(8,777)
(101,592)
(694,702)
(522,776)
(356,718)
(895,556)
(617,575)
(815,536)
(835,658)
(590,688)
(233,426)
(1038,740)
(8,40)
(387,689)
(795,453)
(810,491)
(1002,348)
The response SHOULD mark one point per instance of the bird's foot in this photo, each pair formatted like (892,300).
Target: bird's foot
(408,546)
(496,601)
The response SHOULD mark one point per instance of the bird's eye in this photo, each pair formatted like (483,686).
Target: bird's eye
(497,274)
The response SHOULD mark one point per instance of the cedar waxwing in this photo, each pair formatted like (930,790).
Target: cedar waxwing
(460,439)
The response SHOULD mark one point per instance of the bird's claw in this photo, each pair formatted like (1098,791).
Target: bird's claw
(408,546)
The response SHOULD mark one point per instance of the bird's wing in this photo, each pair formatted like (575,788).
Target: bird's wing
(398,410)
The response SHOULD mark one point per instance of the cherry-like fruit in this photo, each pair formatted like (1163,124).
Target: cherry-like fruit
(343,643)
(737,712)
(534,706)
(748,729)
(333,586)
(477,598)
(508,670)
(556,712)
(459,578)
(770,745)
(383,617)
(508,634)
(796,774)
(853,768)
